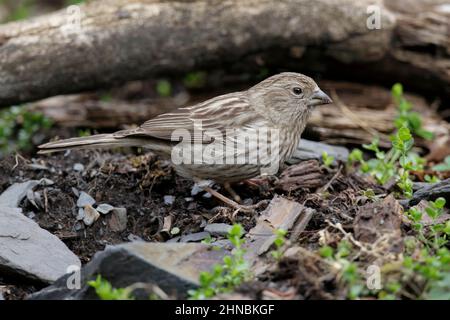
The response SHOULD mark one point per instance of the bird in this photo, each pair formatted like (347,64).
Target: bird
(226,139)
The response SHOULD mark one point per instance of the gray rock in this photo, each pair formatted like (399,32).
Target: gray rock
(31,215)
(218,229)
(104,208)
(118,219)
(431,191)
(80,215)
(90,215)
(78,167)
(196,189)
(169,200)
(85,200)
(46,182)
(223,243)
(30,251)
(308,150)
(173,267)
(134,238)
(12,196)
(195,237)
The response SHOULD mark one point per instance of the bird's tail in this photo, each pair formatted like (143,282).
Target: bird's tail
(95,141)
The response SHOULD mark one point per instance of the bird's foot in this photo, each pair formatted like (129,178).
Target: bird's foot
(233,204)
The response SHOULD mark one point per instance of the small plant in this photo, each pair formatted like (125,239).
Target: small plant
(164,88)
(431,179)
(369,194)
(18,126)
(444,166)
(195,80)
(279,241)
(396,163)
(84,133)
(431,264)
(348,272)
(406,117)
(327,159)
(105,290)
(227,276)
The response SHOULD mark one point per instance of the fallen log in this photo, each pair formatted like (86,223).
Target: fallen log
(102,43)
(359,113)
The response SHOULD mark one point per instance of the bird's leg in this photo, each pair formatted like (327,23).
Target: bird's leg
(231,203)
(233,193)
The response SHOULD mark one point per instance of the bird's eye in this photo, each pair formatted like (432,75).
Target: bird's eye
(297,91)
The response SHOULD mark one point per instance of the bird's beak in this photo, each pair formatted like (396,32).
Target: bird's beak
(319,97)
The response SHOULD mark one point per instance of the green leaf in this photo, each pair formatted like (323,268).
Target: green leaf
(439,203)
(397,90)
(326,252)
(404,134)
(164,88)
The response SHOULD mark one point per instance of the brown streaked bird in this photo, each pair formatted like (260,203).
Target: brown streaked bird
(280,104)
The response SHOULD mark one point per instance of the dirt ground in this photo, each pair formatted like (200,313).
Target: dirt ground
(139,181)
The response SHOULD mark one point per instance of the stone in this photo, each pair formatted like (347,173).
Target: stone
(218,229)
(173,267)
(118,220)
(80,215)
(12,196)
(90,215)
(169,200)
(195,237)
(104,208)
(85,200)
(30,251)
(134,238)
(308,150)
(78,167)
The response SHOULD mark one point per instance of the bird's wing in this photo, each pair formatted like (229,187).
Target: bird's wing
(220,113)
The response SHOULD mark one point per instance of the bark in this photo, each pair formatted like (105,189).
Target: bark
(359,114)
(122,40)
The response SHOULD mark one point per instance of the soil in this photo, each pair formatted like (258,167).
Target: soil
(139,181)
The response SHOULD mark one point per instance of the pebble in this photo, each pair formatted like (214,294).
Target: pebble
(78,226)
(80,215)
(175,231)
(133,237)
(31,215)
(196,190)
(104,208)
(118,220)
(90,215)
(78,167)
(218,229)
(75,192)
(46,182)
(169,200)
(85,200)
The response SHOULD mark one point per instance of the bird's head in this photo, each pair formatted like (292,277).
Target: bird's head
(287,94)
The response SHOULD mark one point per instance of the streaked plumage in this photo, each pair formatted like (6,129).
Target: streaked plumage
(271,104)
